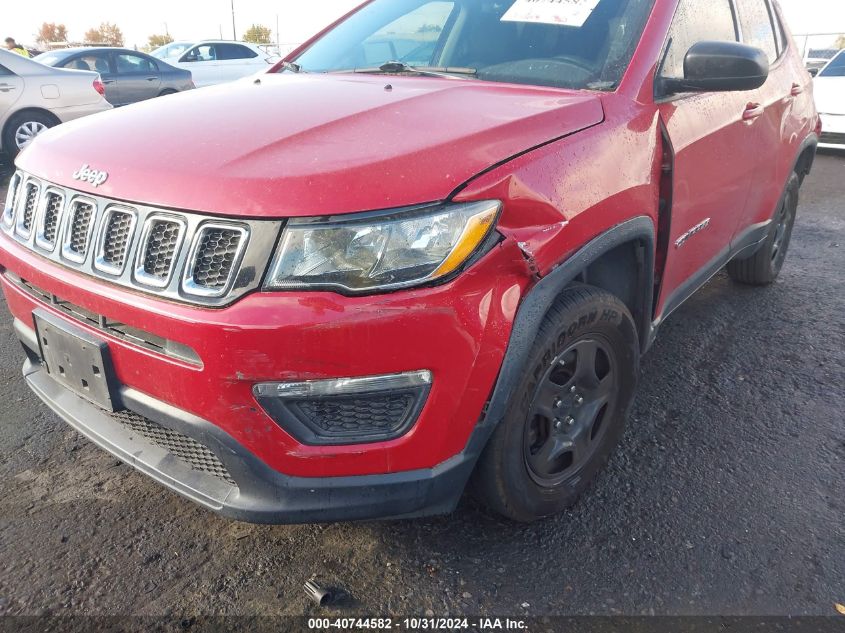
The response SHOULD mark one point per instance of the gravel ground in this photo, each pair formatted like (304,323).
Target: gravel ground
(726,496)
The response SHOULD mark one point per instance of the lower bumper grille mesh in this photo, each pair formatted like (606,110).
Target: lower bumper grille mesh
(832,138)
(187,449)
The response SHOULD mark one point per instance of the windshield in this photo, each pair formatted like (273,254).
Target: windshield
(836,68)
(565,44)
(171,51)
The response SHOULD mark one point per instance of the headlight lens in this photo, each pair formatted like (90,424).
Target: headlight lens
(380,252)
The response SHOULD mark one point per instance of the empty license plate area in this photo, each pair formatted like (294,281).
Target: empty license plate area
(75,359)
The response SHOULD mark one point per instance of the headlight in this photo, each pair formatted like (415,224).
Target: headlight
(380,251)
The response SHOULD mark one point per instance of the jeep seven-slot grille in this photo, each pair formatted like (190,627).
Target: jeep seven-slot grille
(178,255)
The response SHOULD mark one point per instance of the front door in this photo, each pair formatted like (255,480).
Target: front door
(139,77)
(715,155)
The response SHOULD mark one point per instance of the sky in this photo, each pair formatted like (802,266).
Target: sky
(298,19)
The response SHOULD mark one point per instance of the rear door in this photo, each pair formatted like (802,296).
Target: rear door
(784,109)
(235,61)
(716,151)
(139,77)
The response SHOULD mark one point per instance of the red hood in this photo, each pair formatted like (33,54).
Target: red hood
(298,145)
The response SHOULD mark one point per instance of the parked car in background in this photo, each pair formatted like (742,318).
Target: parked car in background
(129,76)
(214,62)
(34,97)
(817,58)
(830,101)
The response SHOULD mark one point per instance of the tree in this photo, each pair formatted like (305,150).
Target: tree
(157,41)
(840,43)
(51,32)
(107,33)
(258,34)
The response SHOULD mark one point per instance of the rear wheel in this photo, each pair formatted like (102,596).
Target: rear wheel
(568,411)
(765,265)
(23,127)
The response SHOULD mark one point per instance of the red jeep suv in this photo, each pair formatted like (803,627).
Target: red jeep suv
(424,252)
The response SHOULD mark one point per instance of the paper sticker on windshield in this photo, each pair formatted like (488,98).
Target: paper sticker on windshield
(562,12)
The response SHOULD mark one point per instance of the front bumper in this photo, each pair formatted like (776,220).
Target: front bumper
(458,331)
(239,485)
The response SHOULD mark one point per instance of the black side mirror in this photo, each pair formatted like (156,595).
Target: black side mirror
(814,72)
(721,67)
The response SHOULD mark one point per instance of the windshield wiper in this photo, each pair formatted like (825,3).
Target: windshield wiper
(397,68)
(293,67)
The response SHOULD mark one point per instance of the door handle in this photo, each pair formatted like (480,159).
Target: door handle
(753,111)
(7,87)
(106,82)
(151,78)
(796,90)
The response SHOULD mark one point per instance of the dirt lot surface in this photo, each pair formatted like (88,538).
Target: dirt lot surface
(726,496)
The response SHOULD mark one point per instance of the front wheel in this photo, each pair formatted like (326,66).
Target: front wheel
(568,411)
(765,265)
(22,129)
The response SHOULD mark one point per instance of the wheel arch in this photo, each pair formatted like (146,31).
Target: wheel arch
(621,261)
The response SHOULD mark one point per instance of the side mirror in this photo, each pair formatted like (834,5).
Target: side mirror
(814,72)
(721,67)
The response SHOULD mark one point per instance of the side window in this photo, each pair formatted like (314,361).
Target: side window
(411,39)
(95,63)
(5,72)
(780,33)
(756,25)
(696,21)
(234,51)
(134,64)
(202,53)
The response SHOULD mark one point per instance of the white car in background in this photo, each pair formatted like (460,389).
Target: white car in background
(216,61)
(34,97)
(830,101)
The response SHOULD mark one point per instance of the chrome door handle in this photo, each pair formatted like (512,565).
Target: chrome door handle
(151,78)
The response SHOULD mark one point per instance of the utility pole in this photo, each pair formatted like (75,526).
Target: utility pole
(234,30)
(278,36)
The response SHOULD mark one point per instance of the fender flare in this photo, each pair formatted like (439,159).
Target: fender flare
(536,304)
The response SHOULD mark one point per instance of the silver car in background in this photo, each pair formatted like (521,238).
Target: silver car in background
(34,97)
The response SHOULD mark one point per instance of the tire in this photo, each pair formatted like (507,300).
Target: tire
(35,122)
(762,268)
(567,414)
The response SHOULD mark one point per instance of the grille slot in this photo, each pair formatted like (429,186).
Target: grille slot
(160,246)
(214,258)
(116,237)
(30,203)
(12,199)
(78,233)
(184,448)
(46,237)
(832,138)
